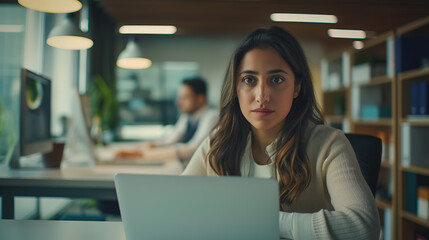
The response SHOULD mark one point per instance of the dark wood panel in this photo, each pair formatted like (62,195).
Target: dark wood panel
(238,17)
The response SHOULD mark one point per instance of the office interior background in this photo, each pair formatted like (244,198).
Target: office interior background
(142,101)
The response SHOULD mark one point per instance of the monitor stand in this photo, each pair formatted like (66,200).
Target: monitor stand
(14,159)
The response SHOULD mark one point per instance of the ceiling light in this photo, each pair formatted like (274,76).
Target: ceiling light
(147,29)
(358,44)
(309,18)
(52,6)
(132,57)
(11,28)
(66,35)
(345,33)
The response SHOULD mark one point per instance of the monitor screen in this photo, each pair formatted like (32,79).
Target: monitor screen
(35,120)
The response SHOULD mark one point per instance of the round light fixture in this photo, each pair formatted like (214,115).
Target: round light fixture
(132,57)
(67,36)
(52,6)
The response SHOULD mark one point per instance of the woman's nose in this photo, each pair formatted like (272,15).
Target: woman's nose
(263,94)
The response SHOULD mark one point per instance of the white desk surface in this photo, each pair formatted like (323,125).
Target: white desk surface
(84,182)
(60,230)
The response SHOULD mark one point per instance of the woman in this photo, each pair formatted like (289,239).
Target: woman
(270,126)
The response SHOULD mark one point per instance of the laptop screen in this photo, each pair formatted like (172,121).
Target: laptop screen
(197,207)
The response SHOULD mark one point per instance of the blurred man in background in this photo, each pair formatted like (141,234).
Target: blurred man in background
(195,123)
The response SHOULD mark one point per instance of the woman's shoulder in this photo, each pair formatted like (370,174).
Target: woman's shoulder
(198,164)
(323,132)
(321,139)
(325,144)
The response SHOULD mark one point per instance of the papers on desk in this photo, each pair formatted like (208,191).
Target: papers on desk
(107,153)
(125,169)
(166,169)
(106,156)
(107,165)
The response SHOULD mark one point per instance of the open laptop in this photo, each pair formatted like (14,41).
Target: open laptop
(197,207)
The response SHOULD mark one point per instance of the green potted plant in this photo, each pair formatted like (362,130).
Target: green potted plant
(104,105)
(8,135)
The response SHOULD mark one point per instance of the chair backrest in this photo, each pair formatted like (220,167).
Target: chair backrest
(368,153)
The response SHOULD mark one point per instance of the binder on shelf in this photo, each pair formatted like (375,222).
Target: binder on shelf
(373,111)
(363,73)
(355,110)
(423,202)
(334,80)
(410,52)
(346,69)
(324,69)
(423,98)
(387,224)
(411,193)
(414,141)
(370,111)
(414,103)
(390,64)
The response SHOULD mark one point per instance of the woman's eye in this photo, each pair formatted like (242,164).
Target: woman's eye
(277,80)
(248,80)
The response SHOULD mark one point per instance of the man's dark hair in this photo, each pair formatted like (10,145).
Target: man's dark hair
(197,84)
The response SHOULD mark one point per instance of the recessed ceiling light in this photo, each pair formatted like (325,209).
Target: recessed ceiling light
(147,29)
(309,18)
(346,33)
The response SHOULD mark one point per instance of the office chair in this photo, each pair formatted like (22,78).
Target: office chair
(368,153)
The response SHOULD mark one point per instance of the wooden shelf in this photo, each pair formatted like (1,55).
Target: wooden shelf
(416,121)
(412,26)
(335,118)
(377,122)
(377,81)
(416,169)
(340,90)
(380,39)
(383,204)
(414,218)
(423,72)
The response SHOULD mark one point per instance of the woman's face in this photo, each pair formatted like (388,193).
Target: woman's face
(265,89)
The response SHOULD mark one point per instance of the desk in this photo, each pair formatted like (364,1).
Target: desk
(90,182)
(65,230)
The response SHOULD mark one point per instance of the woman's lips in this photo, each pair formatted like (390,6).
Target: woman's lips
(262,111)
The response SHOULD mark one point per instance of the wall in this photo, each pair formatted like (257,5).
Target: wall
(212,54)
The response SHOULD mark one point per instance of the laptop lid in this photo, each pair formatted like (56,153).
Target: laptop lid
(197,207)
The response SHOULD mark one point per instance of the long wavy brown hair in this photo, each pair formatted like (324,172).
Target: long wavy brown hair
(227,144)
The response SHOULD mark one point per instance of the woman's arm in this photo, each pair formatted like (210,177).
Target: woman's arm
(355,214)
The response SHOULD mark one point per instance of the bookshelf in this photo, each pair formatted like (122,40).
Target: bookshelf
(412,60)
(372,95)
(377,87)
(335,71)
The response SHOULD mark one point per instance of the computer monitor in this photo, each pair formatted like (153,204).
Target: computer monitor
(35,114)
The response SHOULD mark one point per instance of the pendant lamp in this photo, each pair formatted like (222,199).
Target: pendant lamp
(52,6)
(132,57)
(67,35)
